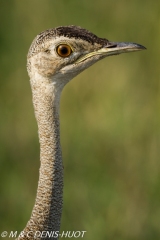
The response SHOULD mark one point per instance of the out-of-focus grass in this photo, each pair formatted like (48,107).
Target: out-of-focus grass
(110,121)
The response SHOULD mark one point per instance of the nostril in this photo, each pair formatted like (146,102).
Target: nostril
(112,46)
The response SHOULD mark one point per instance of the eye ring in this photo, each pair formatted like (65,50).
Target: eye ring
(64,50)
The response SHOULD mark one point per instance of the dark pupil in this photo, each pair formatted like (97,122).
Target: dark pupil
(64,50)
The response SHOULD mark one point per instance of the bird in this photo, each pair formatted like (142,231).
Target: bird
(55,57)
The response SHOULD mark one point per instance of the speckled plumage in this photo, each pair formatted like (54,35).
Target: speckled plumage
(49,73)
(70,32)
(47,211)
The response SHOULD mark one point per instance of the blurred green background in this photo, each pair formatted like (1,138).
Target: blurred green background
(110,121)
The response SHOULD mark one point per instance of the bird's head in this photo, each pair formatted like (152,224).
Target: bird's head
(62,53)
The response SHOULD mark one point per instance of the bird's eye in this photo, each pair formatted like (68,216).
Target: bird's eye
(64,50)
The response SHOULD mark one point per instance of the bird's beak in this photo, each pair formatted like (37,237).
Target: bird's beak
(113,48)
(120,47)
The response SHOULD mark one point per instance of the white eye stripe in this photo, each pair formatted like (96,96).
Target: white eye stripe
(63,42)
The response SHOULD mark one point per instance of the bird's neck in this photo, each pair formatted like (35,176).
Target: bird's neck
(47,210)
